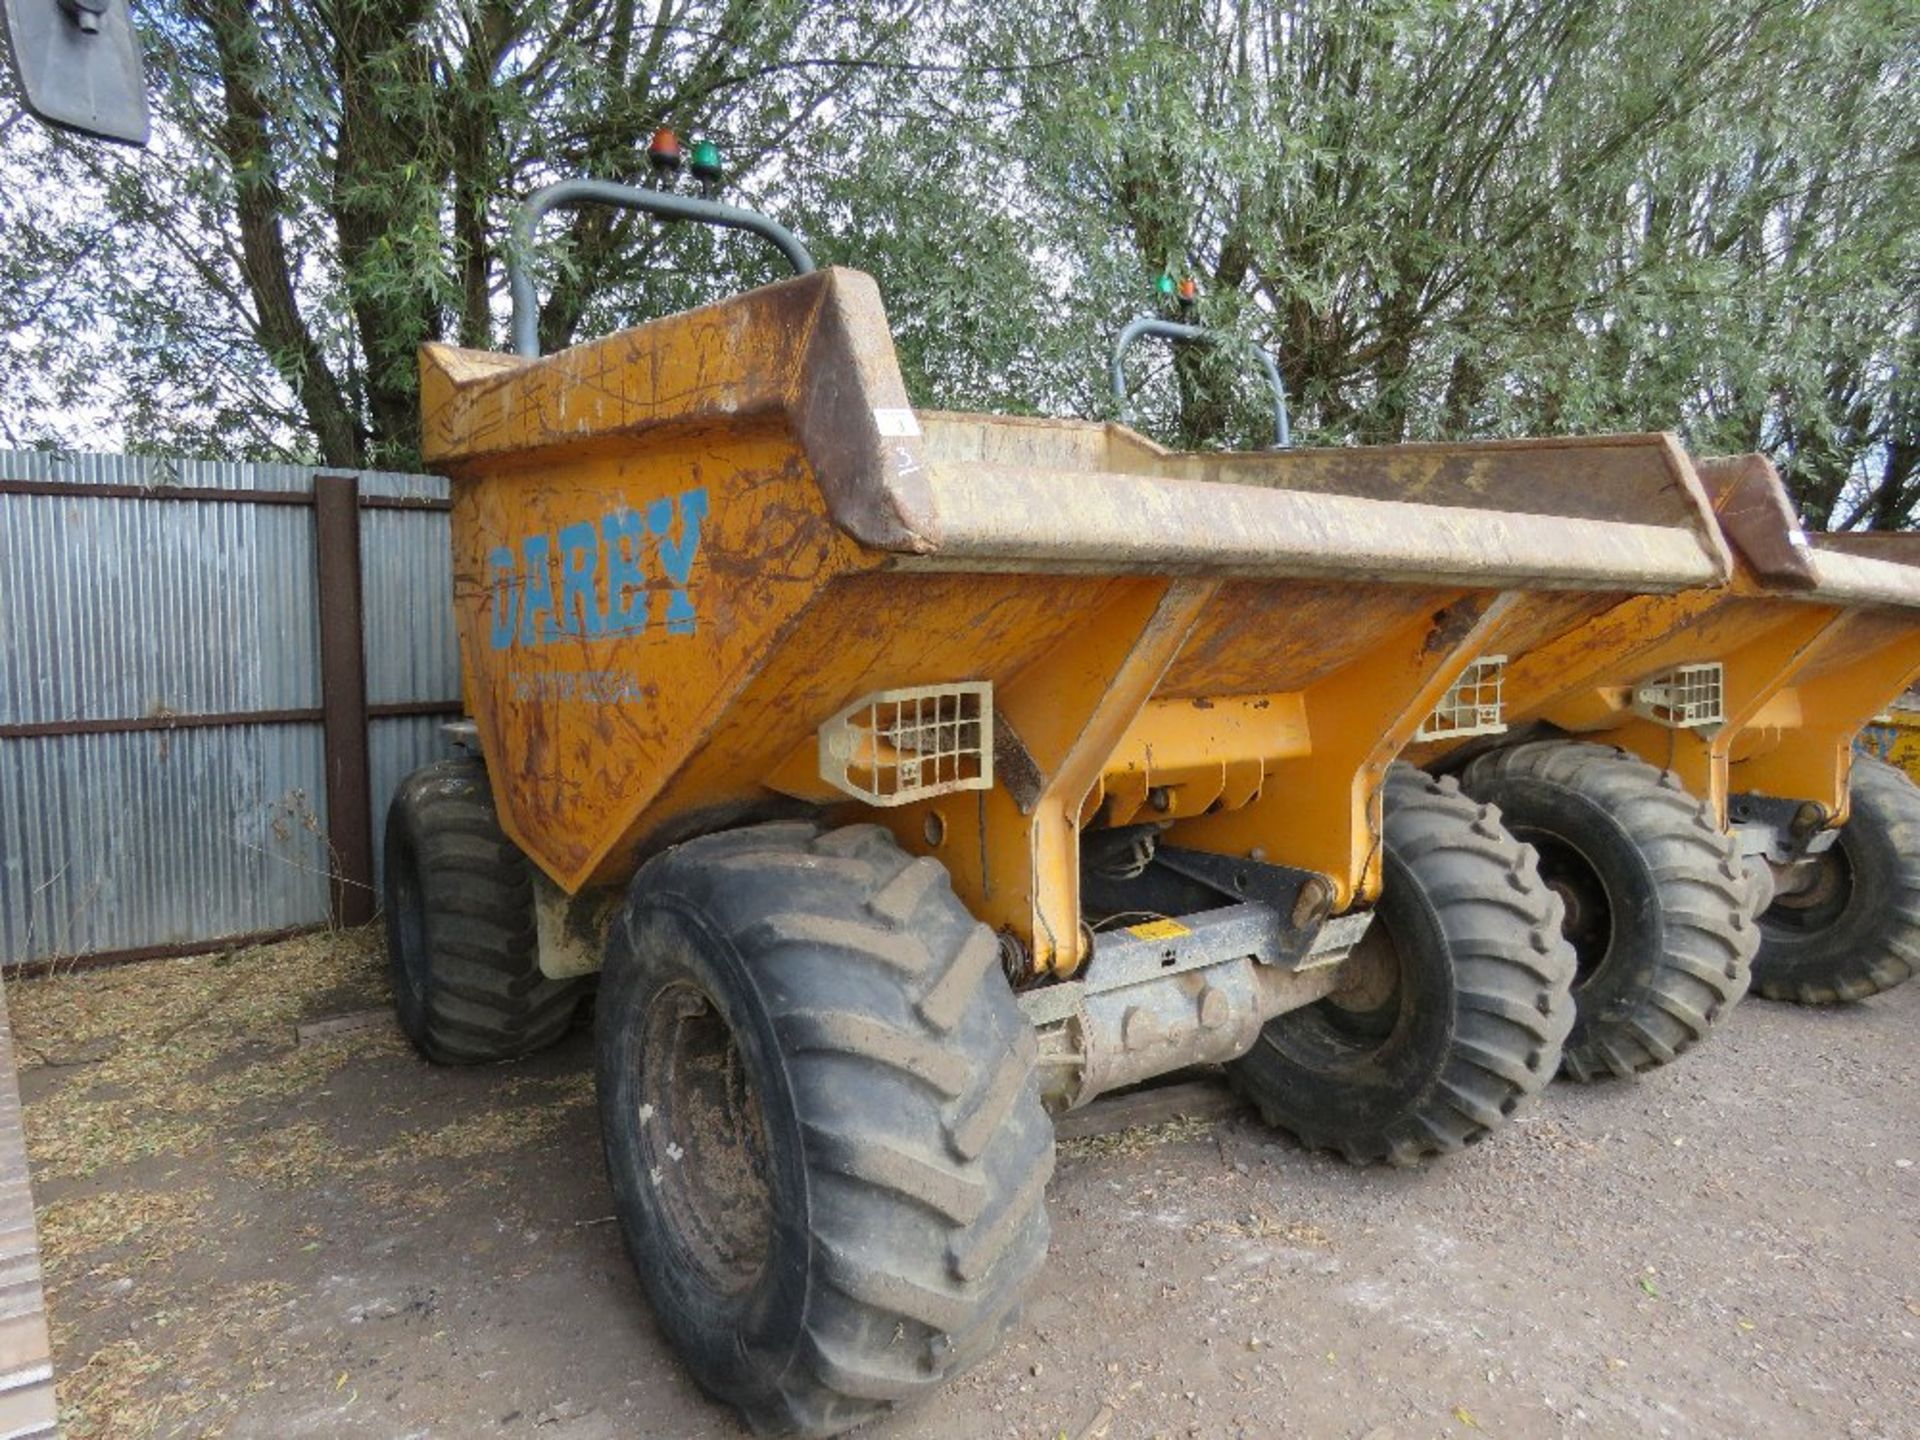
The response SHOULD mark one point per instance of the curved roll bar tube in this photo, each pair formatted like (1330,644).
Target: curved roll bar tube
(668,206)
(1142,326)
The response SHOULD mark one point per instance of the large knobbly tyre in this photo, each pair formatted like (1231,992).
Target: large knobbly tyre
(461,942)
(821,1121)
(1855,931)
(1453,1007)
(1659,906)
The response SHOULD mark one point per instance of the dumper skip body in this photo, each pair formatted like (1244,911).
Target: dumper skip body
(1751,697)
(906,775)
(667,589)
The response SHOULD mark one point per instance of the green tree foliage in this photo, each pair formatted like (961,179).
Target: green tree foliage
(1446,219)
(332,182)
(1521,216)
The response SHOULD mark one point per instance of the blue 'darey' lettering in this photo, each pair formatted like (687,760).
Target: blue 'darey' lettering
(606,572)
(677,557)
(536,592)
(503,579)
(624,538)
(579,559)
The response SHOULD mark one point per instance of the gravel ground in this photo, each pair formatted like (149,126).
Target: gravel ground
(253,1237)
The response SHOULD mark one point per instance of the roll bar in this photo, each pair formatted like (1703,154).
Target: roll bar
(1177,331)
(662,203)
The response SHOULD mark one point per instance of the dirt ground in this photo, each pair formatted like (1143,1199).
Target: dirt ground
(249,1236)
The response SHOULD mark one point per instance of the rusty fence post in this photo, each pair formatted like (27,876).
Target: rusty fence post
(343,696)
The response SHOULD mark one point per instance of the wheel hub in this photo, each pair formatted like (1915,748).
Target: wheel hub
(1371,975)
(1365,1005)
(1813,894)
(703,1140)
(1575,918)
(1588,922)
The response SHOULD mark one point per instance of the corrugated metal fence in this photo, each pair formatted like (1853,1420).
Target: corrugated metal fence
(189,751)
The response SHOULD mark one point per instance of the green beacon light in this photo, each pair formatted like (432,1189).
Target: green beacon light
(706,162)
(1163,285)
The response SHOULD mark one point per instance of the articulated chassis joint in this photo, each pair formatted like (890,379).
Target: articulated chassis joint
(1125,872)
(1193,953)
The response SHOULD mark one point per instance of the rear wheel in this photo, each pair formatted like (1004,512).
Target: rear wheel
(1451,1011)
(1848,926)
(461,942)
(821,1123)
(1659,906)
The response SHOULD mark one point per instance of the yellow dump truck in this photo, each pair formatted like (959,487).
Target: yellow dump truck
(1645,744)
(906,776)
(1632,738)
(1894,736)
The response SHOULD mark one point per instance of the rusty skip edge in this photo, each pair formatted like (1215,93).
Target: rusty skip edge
(1865,579)
(1020,519)
(817,351)
(814,350)
(1756,511)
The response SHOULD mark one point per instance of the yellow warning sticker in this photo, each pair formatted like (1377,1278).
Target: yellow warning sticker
(1159,930)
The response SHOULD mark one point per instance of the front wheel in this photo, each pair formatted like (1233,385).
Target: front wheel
(1848,926)
(821,1123)
(1452,1009)
(1659,906)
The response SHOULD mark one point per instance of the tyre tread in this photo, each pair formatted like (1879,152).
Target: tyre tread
(1708,938)
(1512,971)
(912,1070)
(486,998)
(1887,954)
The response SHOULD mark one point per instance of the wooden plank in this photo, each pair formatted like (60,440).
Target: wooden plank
(202,494)
(27,1408)
(328,1026)
(132,724)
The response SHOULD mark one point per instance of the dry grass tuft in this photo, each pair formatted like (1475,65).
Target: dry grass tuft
(1263,1224)
(1138,1140)
(178,1374)
(492,1132)
(183,1044)
(198,1060)
(296,1154)
(129,1228)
